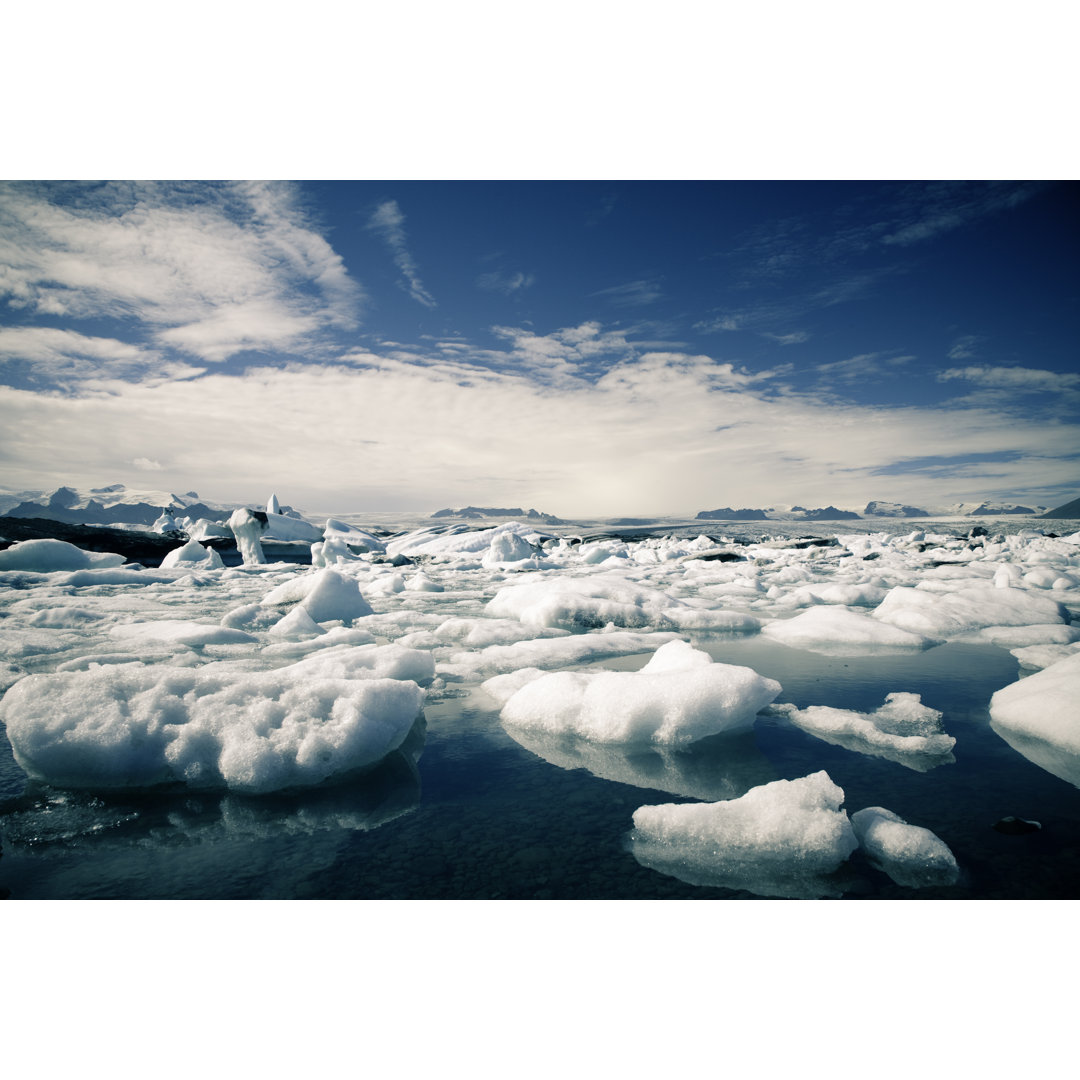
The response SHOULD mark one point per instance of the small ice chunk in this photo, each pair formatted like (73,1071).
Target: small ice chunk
(1040,718)
(420,582)
(778,839)
(296,625)
(192,556)
(326,595)
(902,730)
(912,856)
(681,695)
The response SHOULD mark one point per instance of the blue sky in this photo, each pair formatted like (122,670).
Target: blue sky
(583,347)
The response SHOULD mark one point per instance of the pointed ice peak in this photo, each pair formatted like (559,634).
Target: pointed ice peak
(272,505)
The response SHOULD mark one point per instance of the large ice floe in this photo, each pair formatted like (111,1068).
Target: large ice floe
(139,725)
(1040,718)
(679,696)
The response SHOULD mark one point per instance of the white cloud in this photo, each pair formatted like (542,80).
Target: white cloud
(146,464)
(174,257)
(388,221)
(863,366)
(658,432)
(65,358)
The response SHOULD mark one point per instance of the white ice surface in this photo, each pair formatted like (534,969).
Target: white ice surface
(137,725)
(778,839)
(1039,716)
(840,631)
(681,695)
(949,613)
(902,730)
(46,556)
(911,855)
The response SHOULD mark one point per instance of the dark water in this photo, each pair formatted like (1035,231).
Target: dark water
(465,811)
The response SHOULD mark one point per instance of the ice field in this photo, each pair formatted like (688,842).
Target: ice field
(407,709)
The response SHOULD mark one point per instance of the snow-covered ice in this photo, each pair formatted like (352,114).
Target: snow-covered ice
(779,839)
(679,696)
(138,725)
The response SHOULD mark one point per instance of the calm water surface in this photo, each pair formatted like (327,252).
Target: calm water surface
(464,810)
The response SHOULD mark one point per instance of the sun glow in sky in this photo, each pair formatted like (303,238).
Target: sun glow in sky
(583,347)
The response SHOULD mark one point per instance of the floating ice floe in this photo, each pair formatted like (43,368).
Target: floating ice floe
(781,839)
(139,725)
(912,856)
(948,614)
(547,652)
(679,696)
(902,730)
(1039,717)
(840,631)
(48,556)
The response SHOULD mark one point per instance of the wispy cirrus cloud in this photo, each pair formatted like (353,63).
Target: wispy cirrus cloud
(1034,380)
(388,221)
(863,367)
(924,211)
(796,337)
(208,269)
(632,294)
(963,348)
(505,283)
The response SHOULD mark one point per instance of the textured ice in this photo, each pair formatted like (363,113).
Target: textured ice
(902,730)
(678,697)
(137,725)
(779,839)
(549,652)
(325,595)
(1039,716)
(247,529)
(947,614)
(47,556)
(181,632)
(1042,656)
(912,856)
(840,631)
(191,556)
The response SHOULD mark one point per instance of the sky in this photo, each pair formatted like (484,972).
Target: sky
(587,348)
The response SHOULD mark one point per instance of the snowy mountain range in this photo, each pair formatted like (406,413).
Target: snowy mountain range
(115,504)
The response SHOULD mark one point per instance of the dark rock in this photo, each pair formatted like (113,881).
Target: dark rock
(1014,826)
(147,548)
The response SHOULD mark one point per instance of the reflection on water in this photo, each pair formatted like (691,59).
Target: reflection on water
(479,815)
(719,767)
